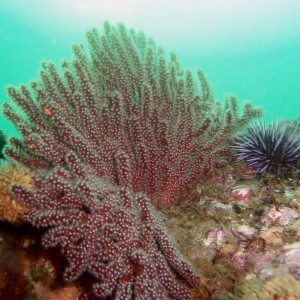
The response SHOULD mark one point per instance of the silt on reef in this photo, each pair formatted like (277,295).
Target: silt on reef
(233,239)
(283,287)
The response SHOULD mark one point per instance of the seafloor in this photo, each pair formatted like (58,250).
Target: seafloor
(240,230)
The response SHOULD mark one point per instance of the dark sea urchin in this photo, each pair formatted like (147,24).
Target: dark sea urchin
(2,143)
(274,149)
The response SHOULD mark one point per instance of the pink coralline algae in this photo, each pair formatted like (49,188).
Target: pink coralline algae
(243,194)
(120,128)
(291,257)
(282,215)
(217,237)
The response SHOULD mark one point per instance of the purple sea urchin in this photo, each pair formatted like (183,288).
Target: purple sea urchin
(2,143)
(274,149)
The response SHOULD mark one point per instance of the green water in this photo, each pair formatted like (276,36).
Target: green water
(249,48)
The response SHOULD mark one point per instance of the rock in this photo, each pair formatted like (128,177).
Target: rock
(272,235)
(245,232)
(243,194)
(216,237)
(281,214)
(292,258)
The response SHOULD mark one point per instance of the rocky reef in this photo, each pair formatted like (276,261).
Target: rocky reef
(124,169)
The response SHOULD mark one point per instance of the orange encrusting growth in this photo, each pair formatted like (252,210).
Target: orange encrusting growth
(10,208)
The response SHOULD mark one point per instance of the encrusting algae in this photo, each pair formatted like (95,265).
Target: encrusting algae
(279,288)
(11,209)
(228,236)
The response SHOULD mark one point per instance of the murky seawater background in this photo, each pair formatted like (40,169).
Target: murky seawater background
(249,48)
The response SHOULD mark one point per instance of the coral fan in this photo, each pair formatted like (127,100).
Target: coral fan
(121,128)
(108,232)
(274,149)
(139,120)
